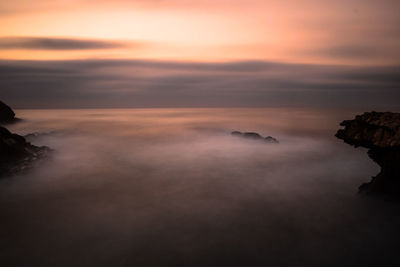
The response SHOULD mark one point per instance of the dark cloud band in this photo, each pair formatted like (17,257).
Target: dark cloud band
(141,83)
(44,43)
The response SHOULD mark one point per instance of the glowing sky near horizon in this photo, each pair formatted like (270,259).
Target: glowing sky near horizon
(309,31)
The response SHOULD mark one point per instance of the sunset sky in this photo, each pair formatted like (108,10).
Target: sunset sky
(354,34)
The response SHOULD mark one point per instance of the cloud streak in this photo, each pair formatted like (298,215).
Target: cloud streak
(358,51)
(47,43)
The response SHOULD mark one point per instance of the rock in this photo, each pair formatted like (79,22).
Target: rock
(6,113)
(252,136)
(16,153)
(255,136)
(271,139)
(380,133)
(236,133)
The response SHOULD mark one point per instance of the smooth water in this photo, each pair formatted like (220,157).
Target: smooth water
(172,187)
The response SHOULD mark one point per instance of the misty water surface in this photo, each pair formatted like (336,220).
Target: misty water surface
(172,187)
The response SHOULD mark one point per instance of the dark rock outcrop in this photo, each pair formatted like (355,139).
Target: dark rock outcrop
(255,136)
(7,115)
(380,132)
(16,154)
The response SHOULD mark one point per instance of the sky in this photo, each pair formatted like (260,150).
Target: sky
(121,53)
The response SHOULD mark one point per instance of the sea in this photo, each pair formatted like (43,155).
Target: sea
(173,187)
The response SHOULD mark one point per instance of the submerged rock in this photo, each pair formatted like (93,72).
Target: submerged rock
(271,139)
(7,115)
(255,136)
(236,133)
(252,136)
(16,154)
(380,132)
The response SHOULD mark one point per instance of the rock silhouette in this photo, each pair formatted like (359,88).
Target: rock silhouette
(7,115)
(380,132)
(255,136)
(16,154)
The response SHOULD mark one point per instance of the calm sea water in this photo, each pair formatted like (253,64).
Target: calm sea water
(172,187)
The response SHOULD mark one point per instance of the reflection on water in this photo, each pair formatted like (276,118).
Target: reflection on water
(171,187)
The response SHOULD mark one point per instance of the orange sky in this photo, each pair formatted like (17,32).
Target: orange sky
(309,31)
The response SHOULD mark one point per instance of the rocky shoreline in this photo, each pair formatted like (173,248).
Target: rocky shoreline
(7,115)
(380,133)
(16,153)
